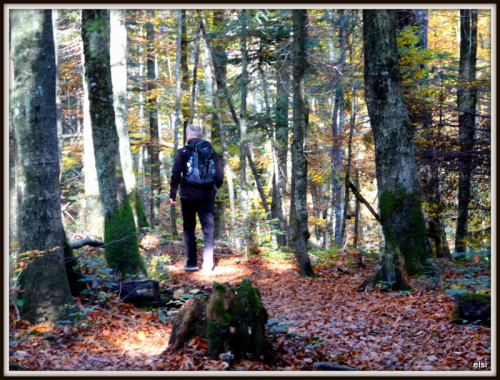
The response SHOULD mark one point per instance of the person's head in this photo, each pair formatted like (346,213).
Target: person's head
(193,131)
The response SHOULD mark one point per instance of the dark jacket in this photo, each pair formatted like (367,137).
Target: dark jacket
(179,171)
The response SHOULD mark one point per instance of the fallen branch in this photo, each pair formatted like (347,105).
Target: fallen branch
(87,241)
(364,201)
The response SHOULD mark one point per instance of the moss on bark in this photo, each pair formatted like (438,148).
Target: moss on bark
(404,228)
(123,255)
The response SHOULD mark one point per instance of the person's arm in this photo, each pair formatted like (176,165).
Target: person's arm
(175,179)
(219,173)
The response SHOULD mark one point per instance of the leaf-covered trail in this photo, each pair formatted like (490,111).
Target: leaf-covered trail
(368,331)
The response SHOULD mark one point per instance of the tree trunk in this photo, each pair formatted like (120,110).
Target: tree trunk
(184,73)
(232,319)
(118,56)
(348,168)
(338,118)
(154,135)
(178,112)
(93,215)
(466,103)
(195,73)
(299,159)
(220,54)
(118,217)
(44,283)
(281,137)
(245,227)
(397,178)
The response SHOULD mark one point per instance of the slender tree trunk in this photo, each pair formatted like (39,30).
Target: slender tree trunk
(281,137)
(245,226)
(357,212)
(466,103)
(299,159)
(178,99)
(154,134)
(118,55)
(219,51)
(348,168)
(397,178)
(277,194)
(184,74)
(195,74)
(44,283)
(338,119)
(118,217)
(94,214)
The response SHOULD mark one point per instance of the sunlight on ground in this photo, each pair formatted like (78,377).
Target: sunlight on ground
(233,269)
(139,343)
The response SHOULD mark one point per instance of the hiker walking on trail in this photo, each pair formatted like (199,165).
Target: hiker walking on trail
(198,172)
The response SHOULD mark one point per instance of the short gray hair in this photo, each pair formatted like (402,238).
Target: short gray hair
(194,130)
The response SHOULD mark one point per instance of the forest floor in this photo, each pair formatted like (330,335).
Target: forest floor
(314,320)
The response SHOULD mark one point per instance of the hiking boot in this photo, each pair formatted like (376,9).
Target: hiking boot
(190,268)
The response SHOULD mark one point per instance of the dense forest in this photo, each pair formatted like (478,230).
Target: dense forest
(356,150)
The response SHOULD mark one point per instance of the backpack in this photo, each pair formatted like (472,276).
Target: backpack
(201,165)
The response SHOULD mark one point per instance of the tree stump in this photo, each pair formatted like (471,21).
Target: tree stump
(139,293)
(232,319)
(472,307)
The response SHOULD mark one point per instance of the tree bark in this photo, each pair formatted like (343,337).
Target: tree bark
(184,73)
(348,168)
(44,284)
(280,151)
(195,73)
(220,54)
(338,119)
(245,226)
(94,215)
(397,179)
(232,319)
(466,102)
(299,159)
(118,217)
(154,134)
(178,111)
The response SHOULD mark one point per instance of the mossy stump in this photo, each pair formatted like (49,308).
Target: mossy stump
(472,307)
(231,319)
